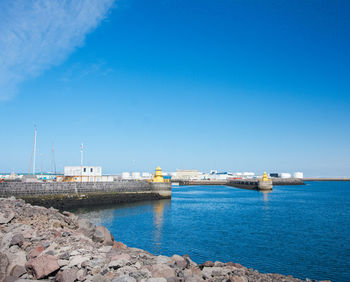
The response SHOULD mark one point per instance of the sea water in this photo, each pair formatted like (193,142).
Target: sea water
(303,231)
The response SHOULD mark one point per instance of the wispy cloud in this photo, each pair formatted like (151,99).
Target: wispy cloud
(38,34)
(81,70)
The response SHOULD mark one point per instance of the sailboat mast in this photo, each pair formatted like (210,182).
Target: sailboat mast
(34,150)
(81,161)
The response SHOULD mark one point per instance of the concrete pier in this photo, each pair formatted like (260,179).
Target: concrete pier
(251,184)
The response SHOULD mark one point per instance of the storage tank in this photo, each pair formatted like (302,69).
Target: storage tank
(285,175)
(146,175)
(125,175)
(136,175)
(298,175)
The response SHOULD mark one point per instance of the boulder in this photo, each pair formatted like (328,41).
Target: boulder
(102,235)
(67,275)
(162,270)
(209,272)
(36,252)
(17,239)
(77,260)
(119,245)
(124,278)
(118,263)
(81,274)
(42,266)
(18,257)
(121,256)
(86,227)
(163,260)
(238,279)
(193,278)
(6,217)
(159,279)
(207,264)
(18,270)
(10,279)
(4,263)
(105,249)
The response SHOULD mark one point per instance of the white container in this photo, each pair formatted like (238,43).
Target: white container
(298,175)
(285,175)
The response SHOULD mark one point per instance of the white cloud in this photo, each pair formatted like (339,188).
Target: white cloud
(37,34)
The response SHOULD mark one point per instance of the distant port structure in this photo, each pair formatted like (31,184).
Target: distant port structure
(87,185)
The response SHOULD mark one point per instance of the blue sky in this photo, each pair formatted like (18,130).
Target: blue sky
(228,85)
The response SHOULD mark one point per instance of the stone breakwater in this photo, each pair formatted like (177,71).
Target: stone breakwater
(66,195)
(43,244)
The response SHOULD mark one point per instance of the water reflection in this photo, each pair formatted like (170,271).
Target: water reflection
(266,196)
(158,208)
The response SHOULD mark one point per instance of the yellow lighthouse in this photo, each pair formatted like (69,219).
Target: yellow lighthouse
(158,177)
(265,178)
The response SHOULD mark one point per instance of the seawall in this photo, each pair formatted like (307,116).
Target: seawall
(65,195)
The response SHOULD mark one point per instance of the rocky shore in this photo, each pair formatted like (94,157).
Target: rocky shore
(43,244)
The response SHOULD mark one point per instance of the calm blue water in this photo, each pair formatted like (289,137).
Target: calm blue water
(299,230)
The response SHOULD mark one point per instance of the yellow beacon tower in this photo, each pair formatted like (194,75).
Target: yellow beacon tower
(265,178)
(158,177)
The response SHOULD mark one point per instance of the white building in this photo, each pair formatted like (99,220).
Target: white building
(298,175)
(187,174)
(84,174)
(285,175)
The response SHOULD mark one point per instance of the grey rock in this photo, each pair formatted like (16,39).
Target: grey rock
(81,274)
(105,249)
(162,270)
(18,270)
(163,260)
(77,260)
(63,262)
(4,263)
(17,239)
(102,235)
(86,227)
(64,256)
(75,253)
(10,279)
(159,279)
(67,275)
(124,278)
(118,263)
(6,217)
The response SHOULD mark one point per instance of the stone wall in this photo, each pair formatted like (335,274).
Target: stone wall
(68,194)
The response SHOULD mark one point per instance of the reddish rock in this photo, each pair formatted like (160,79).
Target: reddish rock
(235,264)
(119,245)
(42,266)
(208,263)
(37,251)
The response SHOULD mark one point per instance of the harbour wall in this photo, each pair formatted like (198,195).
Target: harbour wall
(242,183)
(65,195)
